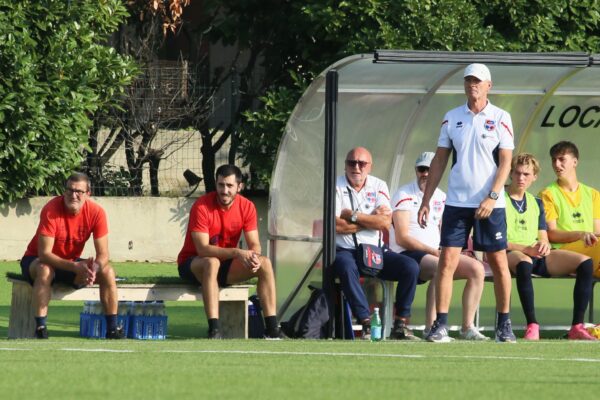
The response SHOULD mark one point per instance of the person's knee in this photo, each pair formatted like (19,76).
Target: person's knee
(207,269)
(106,276)
(42,274)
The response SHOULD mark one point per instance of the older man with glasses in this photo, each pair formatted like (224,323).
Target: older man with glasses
(54,253)
(363,211)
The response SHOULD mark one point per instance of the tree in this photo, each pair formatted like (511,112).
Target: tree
(305,37)
(56,72)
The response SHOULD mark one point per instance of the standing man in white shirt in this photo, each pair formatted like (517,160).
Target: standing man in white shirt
(422,245)
(480,138)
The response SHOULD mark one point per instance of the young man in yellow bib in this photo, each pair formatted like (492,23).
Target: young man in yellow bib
(572,208)
(529,250)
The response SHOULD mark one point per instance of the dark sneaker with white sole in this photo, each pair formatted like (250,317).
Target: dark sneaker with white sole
(504,333)
(41,333)
(439,333)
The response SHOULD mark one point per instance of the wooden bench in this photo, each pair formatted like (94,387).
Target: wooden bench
(233,304)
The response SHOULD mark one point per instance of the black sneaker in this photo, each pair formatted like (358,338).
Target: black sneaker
(275,334)
(401,332)
(214,334)
(117,333)
(366,329)
(41,332)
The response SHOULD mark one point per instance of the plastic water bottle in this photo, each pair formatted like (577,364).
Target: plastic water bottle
(376,333)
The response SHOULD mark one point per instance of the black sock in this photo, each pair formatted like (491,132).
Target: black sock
(442,318)
(271,323)
(40,321)
(213,323)
(582,290)
(111,322)
(525,289)
(502,318)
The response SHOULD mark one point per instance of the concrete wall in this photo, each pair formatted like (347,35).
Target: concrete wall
(140,228)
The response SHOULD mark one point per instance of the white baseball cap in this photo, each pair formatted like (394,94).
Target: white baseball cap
(479,71)
(424,159)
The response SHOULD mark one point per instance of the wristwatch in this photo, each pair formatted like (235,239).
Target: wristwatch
(493,195)
(354,217)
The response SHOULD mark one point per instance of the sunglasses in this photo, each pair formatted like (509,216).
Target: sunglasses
(422,169)
(353,163)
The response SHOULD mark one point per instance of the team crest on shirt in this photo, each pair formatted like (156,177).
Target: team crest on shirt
(459,125)
(371,197)
(489,125)
(437,206)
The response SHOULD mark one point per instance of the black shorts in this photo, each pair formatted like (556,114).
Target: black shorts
(416,255)
(489,234)
(60,275)
(539,267)
(185,272)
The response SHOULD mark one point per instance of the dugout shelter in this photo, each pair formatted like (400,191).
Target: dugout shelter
(392,102)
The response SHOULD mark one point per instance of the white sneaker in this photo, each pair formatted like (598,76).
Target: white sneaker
(472,334)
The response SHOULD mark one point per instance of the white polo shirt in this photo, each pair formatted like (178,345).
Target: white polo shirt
(408,198)
(374,193)
(476,140)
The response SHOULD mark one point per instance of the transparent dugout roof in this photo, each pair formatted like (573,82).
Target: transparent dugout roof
(393,102)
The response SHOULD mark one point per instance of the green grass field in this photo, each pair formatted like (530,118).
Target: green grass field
(187,366)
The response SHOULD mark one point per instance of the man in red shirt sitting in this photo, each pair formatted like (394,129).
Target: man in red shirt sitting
(54,253)
(210,255)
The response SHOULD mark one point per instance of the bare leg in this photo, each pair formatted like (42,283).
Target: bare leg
(108,289)
(471,270)
(206,271)
(42,276)
(502,280)
(444,278)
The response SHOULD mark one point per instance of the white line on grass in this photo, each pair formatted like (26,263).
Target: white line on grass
(307,353)
(99,350)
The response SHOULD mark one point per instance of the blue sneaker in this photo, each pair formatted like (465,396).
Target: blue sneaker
(504,333)
(438,333)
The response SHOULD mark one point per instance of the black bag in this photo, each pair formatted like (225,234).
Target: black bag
(309,322)
(370,259)
(370,256)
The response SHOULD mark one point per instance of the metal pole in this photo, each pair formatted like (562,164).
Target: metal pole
(331,97)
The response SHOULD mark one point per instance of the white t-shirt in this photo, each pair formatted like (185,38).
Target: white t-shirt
(476,140)
(374,193)
(408,198)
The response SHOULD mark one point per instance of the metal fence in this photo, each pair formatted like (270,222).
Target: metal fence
(152,144)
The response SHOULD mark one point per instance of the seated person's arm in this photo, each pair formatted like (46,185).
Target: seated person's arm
(379,219)
(557,235)
(205,249)
(46,256)
(101,246)
(402,236)
(539,249)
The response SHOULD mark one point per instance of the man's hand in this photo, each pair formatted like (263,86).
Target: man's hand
(589,239)
(346,214)
(537,250)
(85,272)
(423,215)
(250,259)
(485,208)
(382,210)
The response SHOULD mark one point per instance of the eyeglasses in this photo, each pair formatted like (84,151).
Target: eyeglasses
(353,163)
(422,169)
(75,191)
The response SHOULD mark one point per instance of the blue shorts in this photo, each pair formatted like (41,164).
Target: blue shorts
(539,267)
(416,255)
(489,234)
(60,275)
(185,272)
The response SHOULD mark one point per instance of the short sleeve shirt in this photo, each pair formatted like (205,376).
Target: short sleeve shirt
(476,140)
(374,193)
(574,198)
(408,198)
(70,232)
(223,226)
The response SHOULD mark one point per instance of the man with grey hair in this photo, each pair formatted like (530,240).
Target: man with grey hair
(480,138)
(54,253)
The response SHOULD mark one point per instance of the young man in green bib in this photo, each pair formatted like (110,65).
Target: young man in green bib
(572,208)
(529,251)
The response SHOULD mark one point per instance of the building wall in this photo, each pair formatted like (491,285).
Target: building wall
(140,228)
